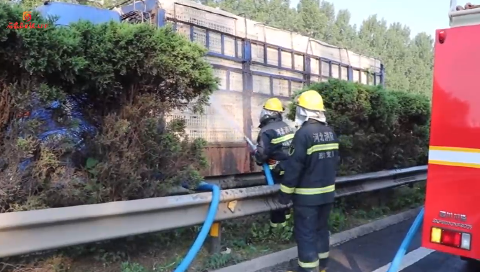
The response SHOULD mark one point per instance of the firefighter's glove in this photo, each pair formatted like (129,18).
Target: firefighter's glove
(257,161)
(284,198)
(277,169)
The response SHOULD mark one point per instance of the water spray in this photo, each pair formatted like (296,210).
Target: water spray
(235,126)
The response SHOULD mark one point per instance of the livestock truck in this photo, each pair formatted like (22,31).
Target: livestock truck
(253,61)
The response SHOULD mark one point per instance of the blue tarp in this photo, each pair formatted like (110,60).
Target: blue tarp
(70,13)
(54,133)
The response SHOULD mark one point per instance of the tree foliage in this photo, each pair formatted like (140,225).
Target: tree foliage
(112,85)
(378,129)
(408,61)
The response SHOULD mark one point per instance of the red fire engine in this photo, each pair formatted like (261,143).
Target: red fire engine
(452,207)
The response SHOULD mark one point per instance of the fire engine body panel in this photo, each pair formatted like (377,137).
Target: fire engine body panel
(452,213)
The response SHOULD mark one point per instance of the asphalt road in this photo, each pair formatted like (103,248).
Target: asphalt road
(374,252)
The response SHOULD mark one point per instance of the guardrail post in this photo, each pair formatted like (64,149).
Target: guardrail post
(215,241)
(384,196)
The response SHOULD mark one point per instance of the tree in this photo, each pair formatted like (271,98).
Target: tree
(344,34)
(408,62)
(313,22)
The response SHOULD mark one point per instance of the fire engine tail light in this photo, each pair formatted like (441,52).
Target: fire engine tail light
(442,35)
(451,238)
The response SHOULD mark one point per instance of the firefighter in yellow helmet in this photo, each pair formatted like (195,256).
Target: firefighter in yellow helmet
(273,141)
(309,181)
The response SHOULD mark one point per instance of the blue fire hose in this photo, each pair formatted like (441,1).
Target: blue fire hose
(212,211)
(266,169)
(394,266)
(268,174)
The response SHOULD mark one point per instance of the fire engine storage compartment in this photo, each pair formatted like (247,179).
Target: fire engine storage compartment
(254,62)
(451,207)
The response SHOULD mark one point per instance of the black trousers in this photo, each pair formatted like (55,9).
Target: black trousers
(278,218)
(312,236)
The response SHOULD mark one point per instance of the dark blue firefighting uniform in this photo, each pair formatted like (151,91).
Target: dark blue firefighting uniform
(309,182)
(274,140)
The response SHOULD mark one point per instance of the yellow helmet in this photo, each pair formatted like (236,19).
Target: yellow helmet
(311,100)
(274,104)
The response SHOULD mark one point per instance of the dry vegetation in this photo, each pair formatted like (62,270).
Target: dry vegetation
(84,123)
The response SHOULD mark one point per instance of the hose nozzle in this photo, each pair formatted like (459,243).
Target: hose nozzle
(250,143)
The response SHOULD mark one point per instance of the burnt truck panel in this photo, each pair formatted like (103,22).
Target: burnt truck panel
(253,62)
(227,159)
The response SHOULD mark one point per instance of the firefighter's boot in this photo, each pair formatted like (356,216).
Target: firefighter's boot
(307,270)
(288,214)
(302,269)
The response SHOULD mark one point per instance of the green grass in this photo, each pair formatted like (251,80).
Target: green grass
(245,238)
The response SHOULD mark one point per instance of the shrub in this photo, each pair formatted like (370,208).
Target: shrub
(82,112)
(378,129)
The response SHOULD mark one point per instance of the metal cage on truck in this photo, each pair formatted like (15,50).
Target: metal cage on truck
(253,62)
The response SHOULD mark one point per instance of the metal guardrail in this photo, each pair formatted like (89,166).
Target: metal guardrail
(31,231)
(257,179)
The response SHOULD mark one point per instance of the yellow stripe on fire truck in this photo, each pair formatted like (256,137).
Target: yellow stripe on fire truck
(454,156)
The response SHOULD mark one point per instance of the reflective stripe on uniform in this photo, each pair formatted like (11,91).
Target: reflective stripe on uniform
(315,191)
(307,191)
(454,156)
(286,189)
(323,255)
(282,139)
(309,264)
(276,225)
(272,167)
(322,147)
